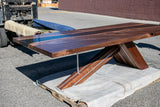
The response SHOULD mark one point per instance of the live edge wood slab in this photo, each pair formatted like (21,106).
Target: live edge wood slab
(117,41)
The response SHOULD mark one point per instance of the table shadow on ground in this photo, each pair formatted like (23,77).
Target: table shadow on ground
(42,69)
(25,50)
(146,45)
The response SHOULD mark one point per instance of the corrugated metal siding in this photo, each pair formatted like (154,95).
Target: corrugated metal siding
(137,9)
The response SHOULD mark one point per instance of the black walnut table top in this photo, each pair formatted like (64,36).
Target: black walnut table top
(70,42)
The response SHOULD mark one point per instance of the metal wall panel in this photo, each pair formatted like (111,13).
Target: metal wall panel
(136,9)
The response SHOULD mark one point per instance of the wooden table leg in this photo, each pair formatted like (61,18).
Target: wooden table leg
(86,71)
(126,53)
(130,55)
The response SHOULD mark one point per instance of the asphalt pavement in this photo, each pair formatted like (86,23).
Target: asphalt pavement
(21,67)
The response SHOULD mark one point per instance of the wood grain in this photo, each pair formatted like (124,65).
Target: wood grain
(130,55)
(87,30)
(86,71)
(71,42)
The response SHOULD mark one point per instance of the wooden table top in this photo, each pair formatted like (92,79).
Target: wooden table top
(70,42)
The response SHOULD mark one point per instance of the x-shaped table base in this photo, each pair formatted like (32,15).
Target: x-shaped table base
(126,53)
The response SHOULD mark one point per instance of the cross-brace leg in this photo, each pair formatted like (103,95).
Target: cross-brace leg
(130,55)
(125,53)
(86,71)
